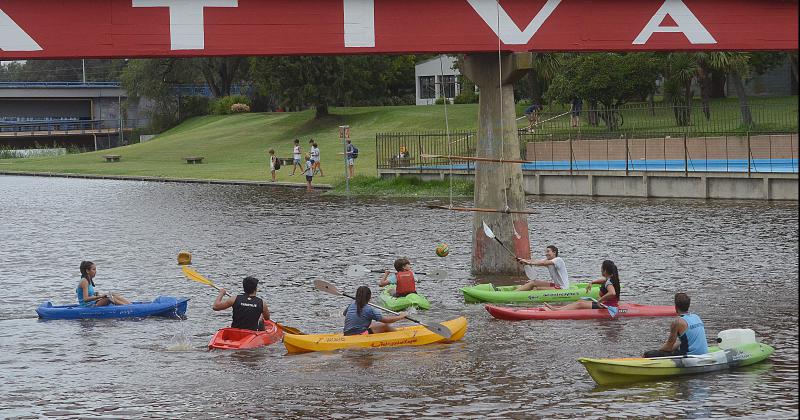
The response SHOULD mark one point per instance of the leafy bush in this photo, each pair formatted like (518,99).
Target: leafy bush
(194,106)
(440,101)
(466,96)
(222,106)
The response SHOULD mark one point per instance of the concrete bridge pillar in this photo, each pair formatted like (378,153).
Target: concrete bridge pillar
(498,184)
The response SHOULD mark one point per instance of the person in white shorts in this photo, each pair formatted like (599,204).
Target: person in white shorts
(559,279)
(297,156)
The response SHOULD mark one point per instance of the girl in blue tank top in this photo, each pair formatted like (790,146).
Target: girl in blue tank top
(87,296)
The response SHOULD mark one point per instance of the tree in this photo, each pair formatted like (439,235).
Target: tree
(606,79)
(545,67)
(321,81)
(220,73)
(155,79)
(63,70)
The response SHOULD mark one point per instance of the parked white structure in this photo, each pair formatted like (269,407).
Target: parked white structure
(436,78)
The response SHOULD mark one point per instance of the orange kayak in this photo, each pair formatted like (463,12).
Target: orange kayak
(238,339)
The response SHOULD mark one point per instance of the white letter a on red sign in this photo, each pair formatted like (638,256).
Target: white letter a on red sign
(13,38)
(687,23)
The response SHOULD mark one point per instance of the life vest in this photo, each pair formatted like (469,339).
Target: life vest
(604,289)
(405,283)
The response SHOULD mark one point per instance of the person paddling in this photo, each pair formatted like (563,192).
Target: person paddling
(249,310)
(360,318)
(87,296)
(609,292)
(559,279)
(403,279)
(687,334)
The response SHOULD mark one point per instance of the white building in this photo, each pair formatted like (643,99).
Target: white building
(436,78)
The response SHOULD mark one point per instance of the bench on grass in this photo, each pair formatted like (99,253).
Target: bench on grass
(112,158)
(193,159)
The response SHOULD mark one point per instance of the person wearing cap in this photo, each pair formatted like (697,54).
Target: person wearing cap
(249,310)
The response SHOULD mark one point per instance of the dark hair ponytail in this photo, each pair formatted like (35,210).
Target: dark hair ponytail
(610,268)
(363,295)
(85,265)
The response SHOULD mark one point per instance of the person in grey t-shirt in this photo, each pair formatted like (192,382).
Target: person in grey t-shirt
(559,279)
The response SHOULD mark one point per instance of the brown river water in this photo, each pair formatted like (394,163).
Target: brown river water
(738,260)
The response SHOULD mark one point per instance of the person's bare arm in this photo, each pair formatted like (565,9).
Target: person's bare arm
(265,312)
(672,342)
(219,304)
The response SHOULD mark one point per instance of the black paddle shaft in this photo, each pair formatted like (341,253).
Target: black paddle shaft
(384,309)
(383,271)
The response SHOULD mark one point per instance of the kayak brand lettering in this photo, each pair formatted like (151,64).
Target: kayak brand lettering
(216,27)
(393,343)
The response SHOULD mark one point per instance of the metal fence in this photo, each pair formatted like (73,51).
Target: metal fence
(641,138)
(403,150)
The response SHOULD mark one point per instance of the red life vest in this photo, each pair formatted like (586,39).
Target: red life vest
(405,283)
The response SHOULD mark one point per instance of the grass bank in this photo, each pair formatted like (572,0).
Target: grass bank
(235,146)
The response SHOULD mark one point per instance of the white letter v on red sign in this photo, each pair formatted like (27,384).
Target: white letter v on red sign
(508,31)
(13,38)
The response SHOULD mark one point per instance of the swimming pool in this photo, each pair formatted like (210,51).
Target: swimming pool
(782,165)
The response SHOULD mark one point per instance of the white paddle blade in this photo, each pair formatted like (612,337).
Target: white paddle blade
(437,274)
(356,270)
(530,273)
(439,329)
(326,287)
(486,231)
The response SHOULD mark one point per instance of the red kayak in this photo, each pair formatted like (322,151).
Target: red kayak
(625,309)
(237,339)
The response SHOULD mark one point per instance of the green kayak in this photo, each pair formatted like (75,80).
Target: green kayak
(632,369)
(508,294)
(400,303)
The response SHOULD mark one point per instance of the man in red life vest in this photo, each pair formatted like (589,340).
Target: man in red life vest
(403,279)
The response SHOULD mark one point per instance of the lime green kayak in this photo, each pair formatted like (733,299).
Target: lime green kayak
(635,369)
(508,294)
(400,303)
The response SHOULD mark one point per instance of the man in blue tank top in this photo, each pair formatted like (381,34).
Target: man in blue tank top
(687,334)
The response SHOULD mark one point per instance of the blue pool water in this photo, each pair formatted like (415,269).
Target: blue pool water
(784,165)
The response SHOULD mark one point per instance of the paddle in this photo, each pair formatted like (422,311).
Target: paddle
(436,328)
(355,270)
(529,271)
(194,275)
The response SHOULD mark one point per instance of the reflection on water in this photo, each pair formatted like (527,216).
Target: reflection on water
(738,261)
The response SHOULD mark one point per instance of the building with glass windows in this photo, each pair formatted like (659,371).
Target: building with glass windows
(437,78)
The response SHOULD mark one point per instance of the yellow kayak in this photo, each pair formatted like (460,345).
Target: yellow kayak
(401,337)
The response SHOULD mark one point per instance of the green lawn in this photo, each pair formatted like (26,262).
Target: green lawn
(235,147)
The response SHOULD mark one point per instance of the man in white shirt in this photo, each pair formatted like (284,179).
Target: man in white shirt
(559,279)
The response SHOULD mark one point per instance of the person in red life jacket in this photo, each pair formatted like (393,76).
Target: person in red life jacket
(403,280)
(249,310)
(609,292)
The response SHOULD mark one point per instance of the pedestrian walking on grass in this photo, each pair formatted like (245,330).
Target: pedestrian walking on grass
(297,156)
(351,153)
(315,158)
(309,173)
(273,163)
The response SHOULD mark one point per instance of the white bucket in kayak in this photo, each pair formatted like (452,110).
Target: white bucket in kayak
(735,337)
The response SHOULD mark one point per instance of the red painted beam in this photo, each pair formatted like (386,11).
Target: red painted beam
(161,28)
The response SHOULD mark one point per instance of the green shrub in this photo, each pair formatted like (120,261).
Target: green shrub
(222,106)
(466,96)
(440,101)
(194,106)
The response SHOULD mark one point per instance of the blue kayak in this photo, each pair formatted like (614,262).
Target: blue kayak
(166,306)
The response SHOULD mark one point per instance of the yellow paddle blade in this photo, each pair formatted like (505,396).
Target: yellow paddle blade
(184,258)
(194,275)
(289,330)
